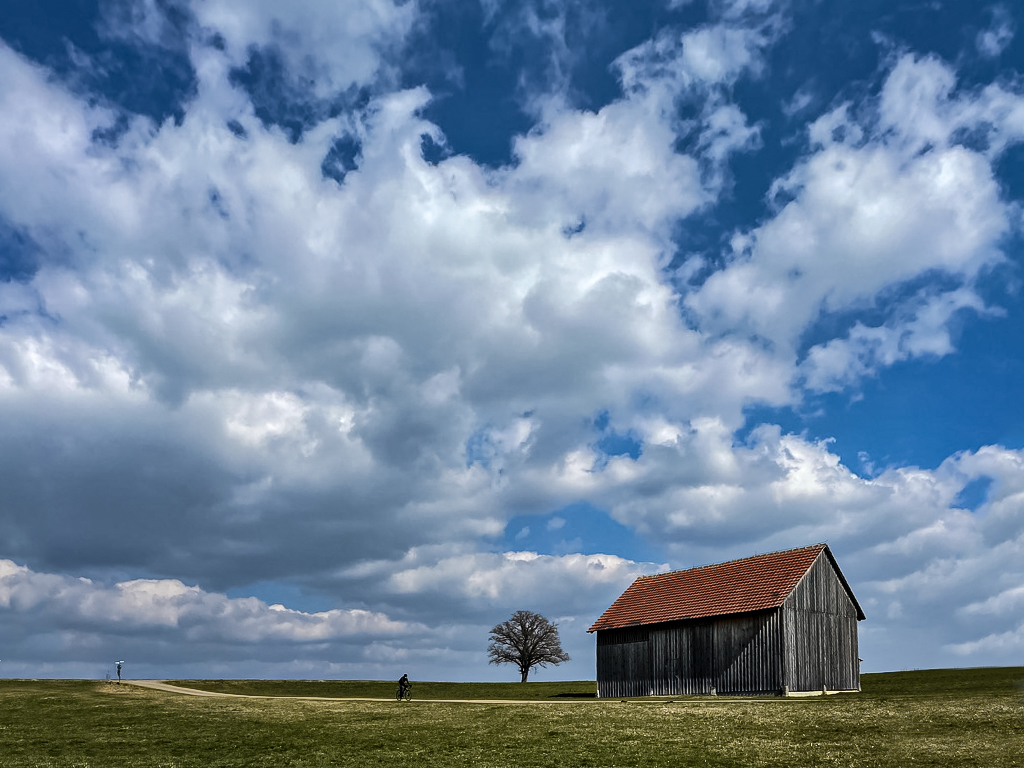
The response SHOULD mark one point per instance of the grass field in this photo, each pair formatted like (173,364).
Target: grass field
(930,718)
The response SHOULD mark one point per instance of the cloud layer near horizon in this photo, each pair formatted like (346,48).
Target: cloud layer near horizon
(234,364)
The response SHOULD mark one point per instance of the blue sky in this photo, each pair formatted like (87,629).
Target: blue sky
(332,334)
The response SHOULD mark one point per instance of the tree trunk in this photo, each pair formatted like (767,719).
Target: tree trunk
(526,673)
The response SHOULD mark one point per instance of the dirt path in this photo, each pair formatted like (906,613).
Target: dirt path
(159,685)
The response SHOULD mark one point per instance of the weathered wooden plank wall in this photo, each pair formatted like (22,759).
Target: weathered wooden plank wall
(748,654)
(821,633)
(623,662)
(733,655)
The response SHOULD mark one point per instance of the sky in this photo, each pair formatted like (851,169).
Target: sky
(332,333)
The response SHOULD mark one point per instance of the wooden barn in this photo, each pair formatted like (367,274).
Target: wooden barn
(778,624)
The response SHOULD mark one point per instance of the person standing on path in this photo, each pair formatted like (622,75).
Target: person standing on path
(119,673)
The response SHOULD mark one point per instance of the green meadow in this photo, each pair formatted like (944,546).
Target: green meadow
(972,717)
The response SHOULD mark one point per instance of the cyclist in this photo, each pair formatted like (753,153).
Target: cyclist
(403,686)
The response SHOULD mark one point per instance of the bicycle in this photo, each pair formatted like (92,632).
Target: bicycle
(404,692)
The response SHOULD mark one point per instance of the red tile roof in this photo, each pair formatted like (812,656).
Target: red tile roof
(752,584)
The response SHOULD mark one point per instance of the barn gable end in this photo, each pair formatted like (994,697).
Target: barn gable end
(770,624)
(820,618)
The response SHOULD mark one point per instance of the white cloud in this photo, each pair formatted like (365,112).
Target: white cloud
(677,61)
(575,157)
(347,45)
(840,363)
(513,576)
(851,232)
(1007,601)
(993,41)
(1004,645)
(865,214)
(178,612)
(921,104)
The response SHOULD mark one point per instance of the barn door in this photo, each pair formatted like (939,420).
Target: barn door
(666,647)
(702,659)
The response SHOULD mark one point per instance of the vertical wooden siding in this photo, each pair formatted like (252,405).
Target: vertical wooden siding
(748,654)
(820,624)
(733,655)
(623,662)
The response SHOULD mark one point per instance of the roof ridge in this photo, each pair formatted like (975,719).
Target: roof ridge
(820,545)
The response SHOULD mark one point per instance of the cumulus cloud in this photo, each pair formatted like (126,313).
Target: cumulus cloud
(168,604)
(702,58)
(348,45)
(868,211)
(56,622)
(476,582)
(921,329)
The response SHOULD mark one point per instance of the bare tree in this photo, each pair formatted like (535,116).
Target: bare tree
(527,640)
